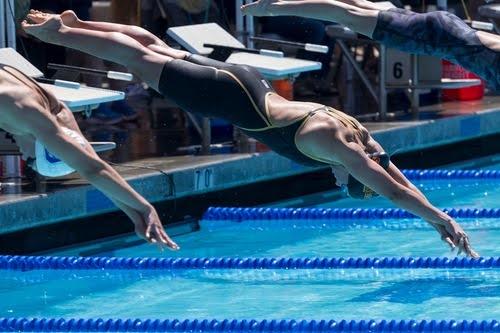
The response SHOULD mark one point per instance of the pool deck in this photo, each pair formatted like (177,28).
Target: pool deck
(58,200)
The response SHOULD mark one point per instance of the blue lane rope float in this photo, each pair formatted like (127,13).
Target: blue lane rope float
(436,174)
(25,263)
(263,213)
(246,326)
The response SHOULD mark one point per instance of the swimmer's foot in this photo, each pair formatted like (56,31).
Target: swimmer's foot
(68,17)
(44,27)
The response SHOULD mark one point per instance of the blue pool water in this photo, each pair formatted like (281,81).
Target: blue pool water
(243,240)
(378,238)
(301,294)
(283,294)
(466,193)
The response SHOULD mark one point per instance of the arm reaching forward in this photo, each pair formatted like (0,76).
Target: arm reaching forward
(44,126)
(374,176)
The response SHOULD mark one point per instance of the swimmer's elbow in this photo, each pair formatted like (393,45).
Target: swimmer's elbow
(93,169)
(398,194)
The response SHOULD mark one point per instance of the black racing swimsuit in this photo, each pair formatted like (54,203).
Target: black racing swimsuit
(237,94)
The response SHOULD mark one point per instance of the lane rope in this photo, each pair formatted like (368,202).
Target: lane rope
(25,263)
(444,174)
(245,326)
(264,213)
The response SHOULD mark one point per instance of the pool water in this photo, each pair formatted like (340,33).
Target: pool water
(472,294)
(444,194)
(403,237)
(250,239)
(254,294)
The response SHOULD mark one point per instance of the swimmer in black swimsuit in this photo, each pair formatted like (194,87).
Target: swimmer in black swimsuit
(308,133)
(439,33)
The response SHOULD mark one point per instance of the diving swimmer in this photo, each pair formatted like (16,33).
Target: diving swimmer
(308,133)
(40,124)
(437,33)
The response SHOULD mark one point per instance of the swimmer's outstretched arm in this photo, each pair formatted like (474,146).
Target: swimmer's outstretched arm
(409,198)
(40,123)
(359,165)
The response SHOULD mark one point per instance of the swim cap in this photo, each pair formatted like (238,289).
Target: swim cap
(358,190)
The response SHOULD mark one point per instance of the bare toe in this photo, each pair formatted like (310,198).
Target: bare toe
(36,18)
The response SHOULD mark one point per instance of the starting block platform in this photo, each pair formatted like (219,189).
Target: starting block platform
(194,37)
(77,99)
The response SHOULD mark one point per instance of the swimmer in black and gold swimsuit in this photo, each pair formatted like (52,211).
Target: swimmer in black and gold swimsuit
(307,133)
(238,94)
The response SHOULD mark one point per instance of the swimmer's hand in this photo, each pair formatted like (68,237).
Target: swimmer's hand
(259,8)
(453,234)
(149,227)
(445,236)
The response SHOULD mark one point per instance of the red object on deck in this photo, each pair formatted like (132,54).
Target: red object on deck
(284,88)
(452,71)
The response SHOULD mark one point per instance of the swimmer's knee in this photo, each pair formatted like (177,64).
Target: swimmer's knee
(135,51)
(437,18)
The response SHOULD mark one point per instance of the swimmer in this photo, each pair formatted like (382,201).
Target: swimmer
(307,133)
(36,119)
(438,33)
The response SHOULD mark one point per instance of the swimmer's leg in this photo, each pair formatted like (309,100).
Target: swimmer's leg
(440,34)
(112,46)
(363,4)
(205,61)
(361,19)
(141,35)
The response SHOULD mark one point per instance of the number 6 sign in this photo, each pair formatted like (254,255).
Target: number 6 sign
(398,67)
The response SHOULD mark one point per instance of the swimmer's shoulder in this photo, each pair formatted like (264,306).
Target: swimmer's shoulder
(18,103)
(15,95)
